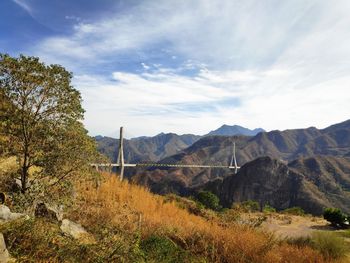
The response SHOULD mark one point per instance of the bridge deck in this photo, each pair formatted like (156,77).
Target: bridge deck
(163,165)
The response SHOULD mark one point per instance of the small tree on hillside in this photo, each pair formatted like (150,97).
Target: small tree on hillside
(209,200)
(41,118)
(335,216)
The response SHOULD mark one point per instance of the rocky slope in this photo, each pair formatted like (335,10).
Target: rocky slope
(311,183)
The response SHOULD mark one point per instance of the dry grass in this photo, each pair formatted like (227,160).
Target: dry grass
(119,205)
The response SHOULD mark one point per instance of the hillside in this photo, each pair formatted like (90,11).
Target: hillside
(146,148)
(126,223)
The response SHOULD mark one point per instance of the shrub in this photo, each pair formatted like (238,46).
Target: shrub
(301,241)
(268,209)
(335,216)
(329,244)
(296,210)
(250,206)
(162,249)
(209,200)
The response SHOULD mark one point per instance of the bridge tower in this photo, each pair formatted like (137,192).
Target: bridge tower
(120,160)
(233,159)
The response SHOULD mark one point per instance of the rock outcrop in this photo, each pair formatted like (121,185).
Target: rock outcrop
(76,231)
(6,214)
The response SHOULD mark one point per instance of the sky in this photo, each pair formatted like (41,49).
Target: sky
(190,66)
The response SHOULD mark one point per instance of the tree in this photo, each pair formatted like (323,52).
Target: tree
(335,216)
(209,200)
(41,114)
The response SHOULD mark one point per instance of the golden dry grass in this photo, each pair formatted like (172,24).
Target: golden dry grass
(120,204)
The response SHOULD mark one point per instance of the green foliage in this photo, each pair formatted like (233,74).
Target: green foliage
(301,241)
(250,206)
(162,249)
(329,244)
(209,200)
(335,216)
(40,119)
(296,210)
(269,209)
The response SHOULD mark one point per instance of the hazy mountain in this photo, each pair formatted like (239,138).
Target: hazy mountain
(228,130)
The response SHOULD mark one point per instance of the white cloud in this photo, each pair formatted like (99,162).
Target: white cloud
(23,4)
(287,62)
(150,103)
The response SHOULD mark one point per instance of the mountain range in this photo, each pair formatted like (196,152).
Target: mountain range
(305,167)
(144,149)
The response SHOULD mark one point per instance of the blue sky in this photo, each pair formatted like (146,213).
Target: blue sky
(190,66)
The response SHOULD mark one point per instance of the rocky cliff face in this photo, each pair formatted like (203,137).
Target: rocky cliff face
(312,183)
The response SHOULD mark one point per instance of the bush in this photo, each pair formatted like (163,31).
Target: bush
(329,244)
(268,209)
(209,200)
(335,216)
(162,249)
(296,210)
(250,206)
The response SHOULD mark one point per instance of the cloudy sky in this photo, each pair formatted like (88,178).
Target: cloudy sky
(189,66)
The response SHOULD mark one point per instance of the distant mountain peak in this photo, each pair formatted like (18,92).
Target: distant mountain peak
(231,130)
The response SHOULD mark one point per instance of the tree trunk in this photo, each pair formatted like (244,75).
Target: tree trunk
(24,172)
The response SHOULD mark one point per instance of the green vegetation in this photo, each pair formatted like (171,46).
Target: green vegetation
(268,209)
(298,211)
(250,206)
(336,217)
(40,114)
(329,244)
(209,200)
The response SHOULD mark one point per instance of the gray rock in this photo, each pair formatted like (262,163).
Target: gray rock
(4,254)
(44,210)
(76,231)
(7,215)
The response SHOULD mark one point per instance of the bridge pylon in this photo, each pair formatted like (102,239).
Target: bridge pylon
(120,160)
(233,158)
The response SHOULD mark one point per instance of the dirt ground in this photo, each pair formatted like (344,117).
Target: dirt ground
(294,226)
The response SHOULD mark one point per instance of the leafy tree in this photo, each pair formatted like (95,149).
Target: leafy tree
(335,216)
(208,199)
(40,115)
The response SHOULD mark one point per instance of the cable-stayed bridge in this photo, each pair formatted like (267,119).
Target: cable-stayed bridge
(121,164)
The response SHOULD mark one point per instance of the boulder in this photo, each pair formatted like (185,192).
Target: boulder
(76,231)
(44,210)
(4,254)
(6,215)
